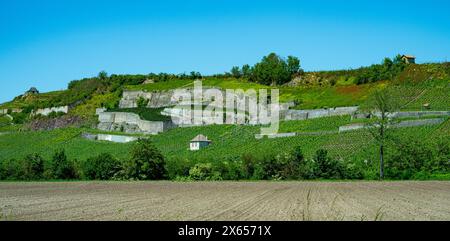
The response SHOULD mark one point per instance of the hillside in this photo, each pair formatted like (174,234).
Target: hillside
(424,87)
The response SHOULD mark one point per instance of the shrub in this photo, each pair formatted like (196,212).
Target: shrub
(33,167)
(10,170)
(61,167)
(413,158)
(146,162)
(101,167)
(327,167)
(203,171)
(178,167)
(142,102)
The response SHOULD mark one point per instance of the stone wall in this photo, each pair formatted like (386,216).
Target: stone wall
(278,135)
(409,123)
(156,99)
(318,113)
(47,111)
(130,123)
(108,137)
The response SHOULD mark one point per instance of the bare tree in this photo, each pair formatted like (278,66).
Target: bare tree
(382,107)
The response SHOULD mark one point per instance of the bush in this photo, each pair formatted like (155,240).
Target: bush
(142,102)
(327,167)
(61,167)
(203,171)
(146,162)
(414,159)
(10,170)
(33,167)
(101,167)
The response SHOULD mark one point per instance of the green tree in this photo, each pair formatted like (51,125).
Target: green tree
(272,70)
(382,105)
(146,162)
(102,75)
(246,71)
(33,166)
(195,75)
(293,65)
(327,167)
(62,168)
(236,72)
(101,167)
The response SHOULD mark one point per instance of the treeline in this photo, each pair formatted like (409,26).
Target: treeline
(145,163)
(387,70)
(271,70)
(408,159)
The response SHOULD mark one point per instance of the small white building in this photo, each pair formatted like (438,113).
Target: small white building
(199,142)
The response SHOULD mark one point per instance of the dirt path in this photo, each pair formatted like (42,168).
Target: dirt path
(225,201)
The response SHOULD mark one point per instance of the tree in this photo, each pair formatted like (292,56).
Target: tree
(146,162)
(195,75)
(246,71)
(102,75)
(327,167)
(101,167)
(293,65)
(236,72)
(272,70)
(33,167)
(62,168)
(382,106)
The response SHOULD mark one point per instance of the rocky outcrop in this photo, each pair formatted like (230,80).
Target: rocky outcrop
(55,123)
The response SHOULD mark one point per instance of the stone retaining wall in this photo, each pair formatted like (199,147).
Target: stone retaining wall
(111,138)
(130,123)
(408,123)
(47,111)
(318,113)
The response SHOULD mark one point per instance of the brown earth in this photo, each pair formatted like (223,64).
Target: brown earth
(225,201)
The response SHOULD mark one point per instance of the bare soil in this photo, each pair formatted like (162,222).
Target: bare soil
(225,201)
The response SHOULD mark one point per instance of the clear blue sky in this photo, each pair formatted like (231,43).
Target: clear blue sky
(49,43)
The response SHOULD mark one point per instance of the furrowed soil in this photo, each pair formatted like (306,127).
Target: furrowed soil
(225,200)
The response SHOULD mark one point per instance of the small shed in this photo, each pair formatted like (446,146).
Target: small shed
(31,91)
(409,59)
(199,142)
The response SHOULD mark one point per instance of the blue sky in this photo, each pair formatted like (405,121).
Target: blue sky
(49,43)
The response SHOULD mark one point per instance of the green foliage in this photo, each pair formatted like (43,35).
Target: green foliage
(151,114)
(33,166)
(102,75)
(101,167)
(327,168)
(385,71)
(146,162)
(412,158)
(203,171)
(142,102)
(236,72)
(10,169)
(293,64)
(29,168)
(19,118)
(62,168)
(272,70)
